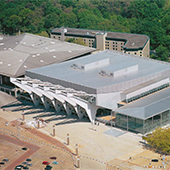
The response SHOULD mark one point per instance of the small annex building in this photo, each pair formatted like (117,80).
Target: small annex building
(27,51)
(134,89)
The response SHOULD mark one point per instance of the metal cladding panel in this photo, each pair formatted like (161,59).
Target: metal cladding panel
(132,83)
(56,81)
(143,89)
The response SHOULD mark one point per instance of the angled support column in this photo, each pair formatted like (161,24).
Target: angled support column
(89,108)
(69,101)
(35,98)
(80,114)
(58,98)
(46,102)
(22,84)
(55,104)
(68,109)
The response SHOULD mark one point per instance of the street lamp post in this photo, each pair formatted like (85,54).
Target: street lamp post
(18,128)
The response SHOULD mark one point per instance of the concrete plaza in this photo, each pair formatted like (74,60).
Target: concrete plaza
(97,144)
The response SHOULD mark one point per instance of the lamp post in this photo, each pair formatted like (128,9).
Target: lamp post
(68,139)
(18,128)
(53,130)
(78,162)
(23,116)
(76,149)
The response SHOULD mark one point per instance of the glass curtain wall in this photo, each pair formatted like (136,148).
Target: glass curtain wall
(142,126)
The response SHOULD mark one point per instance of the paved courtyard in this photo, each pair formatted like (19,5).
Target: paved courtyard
(98,145)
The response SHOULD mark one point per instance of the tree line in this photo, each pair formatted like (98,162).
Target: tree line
(150,17)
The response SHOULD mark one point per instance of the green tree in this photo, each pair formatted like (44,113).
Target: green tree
(159,140)
(51,21)
(161,53)
(68,19)
(76,41)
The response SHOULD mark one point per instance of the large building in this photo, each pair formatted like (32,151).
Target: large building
(26,51)
(134,89)
(125,42)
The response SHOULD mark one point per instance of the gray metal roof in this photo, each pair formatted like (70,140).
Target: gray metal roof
(27,51)
(133,41)
(148,106)
(67,76)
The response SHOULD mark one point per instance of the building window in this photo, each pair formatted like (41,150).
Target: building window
(113,48)
(128,53)
(116,42)
(135,53)
(113,42)
(116,48)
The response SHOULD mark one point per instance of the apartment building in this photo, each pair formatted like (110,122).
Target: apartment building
(125,42)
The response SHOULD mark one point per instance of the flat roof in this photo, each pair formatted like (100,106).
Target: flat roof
(26,51)
(148,106)
(68,76)
(133,41)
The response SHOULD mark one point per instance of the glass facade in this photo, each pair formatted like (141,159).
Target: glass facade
(142,126)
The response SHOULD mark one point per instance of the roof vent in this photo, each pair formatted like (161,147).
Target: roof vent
(33,55)
(25,66)
(5,48)
(69,51)
(52,42)
(106,73)
(133,44)
(41,61)
(54,56)
(38,54)
(75,66)
(52,50)
(16,42)
(1,62)
(20,60)
(32,45)
(9,64)
(1,43)
(46,48)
